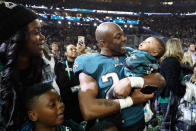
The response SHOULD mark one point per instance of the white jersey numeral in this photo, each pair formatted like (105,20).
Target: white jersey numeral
(105,79)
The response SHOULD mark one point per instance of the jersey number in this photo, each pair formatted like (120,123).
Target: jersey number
(105,79)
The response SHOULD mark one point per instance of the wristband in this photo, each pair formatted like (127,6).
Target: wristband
(124,103)
(136,82)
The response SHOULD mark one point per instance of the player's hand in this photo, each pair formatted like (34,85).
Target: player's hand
(138,97)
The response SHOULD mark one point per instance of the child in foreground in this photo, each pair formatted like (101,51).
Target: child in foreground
(44,109)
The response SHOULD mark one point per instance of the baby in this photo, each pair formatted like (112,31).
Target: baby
(144,60)
(140,62)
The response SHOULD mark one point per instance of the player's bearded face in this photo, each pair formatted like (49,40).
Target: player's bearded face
(119,44)
(116,40)
(120,48)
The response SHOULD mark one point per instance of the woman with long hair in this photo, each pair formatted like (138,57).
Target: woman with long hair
(20,54)
(170,69)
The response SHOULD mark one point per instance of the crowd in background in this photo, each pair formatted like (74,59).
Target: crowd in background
(148,6)
(175,26)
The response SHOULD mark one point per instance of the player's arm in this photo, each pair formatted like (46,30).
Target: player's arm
(124,86)
(154,79)
(91,107)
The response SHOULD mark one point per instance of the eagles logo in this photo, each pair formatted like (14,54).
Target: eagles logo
(75,66)
(116,58)
(133,57)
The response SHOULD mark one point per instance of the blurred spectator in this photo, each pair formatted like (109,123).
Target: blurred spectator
(68,83)
(187,60)
(186,116)
(191,51)
(55,51)
(170,69)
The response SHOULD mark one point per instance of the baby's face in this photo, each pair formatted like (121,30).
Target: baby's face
(149,45)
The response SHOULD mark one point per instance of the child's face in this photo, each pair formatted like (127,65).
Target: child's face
(49,109)
(150,45)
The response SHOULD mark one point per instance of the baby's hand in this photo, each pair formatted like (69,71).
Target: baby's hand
(112,95)
(122,89)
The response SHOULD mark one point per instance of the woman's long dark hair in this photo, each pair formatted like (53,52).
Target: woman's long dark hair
(12,49)
(12,78)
